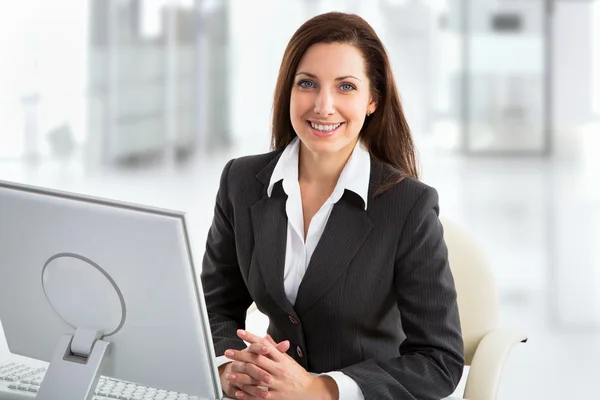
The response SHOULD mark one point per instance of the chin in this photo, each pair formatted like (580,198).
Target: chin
(326,145)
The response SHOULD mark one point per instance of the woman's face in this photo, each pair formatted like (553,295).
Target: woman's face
(330,98)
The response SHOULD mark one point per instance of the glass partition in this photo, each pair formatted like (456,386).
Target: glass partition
(98,81)
(506,92)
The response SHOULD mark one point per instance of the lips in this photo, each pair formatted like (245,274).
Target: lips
(324,130)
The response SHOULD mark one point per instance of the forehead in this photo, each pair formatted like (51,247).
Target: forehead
(331,60)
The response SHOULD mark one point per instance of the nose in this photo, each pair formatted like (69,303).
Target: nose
(324,103)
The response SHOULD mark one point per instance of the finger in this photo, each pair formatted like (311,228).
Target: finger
(258,348)
(240,394)
(252,338)
(270,339)
(283,346)
(250,392)
(238,379)
(250,357)
(251,370)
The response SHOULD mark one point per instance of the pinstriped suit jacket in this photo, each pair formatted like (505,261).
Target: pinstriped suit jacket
(377,301)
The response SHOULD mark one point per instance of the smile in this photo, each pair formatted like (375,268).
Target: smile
(324,129)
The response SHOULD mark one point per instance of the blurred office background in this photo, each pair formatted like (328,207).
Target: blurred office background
(146,100)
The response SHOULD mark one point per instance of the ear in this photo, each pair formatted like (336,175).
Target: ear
(372,104)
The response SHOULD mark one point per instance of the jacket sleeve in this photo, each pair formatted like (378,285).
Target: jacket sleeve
(431,358)
(227,298)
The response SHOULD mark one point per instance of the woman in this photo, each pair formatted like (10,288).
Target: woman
(334,238)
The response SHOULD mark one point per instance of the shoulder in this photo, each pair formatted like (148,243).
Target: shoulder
(407,194)
(248,167)
(398,185)
(245,178)
(414,189)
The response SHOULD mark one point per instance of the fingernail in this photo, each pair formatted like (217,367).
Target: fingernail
(268,379)
(231,377)
(264,348)
(229,353)
(241,332)
(239,394)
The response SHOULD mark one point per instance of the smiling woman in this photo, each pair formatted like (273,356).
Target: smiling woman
(334,238)
(330,99)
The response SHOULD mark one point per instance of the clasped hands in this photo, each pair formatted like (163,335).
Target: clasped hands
(265,371)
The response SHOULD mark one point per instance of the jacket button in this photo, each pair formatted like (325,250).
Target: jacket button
(293,320)
(299,351)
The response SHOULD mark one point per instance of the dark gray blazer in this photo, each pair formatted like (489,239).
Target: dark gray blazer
(377,301)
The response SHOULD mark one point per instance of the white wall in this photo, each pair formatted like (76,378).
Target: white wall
(572,64)
(259,31)
(596,56)
(43,58)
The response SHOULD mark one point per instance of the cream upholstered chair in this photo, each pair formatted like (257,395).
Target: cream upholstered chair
(486,346)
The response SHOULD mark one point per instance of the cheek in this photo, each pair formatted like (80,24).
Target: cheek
(299,104)
(355,112)
(353,105)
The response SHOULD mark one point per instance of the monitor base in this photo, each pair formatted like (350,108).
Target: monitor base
(70,376)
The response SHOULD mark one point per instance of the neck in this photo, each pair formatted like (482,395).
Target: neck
(322,169)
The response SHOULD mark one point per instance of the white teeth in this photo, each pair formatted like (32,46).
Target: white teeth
(325,128)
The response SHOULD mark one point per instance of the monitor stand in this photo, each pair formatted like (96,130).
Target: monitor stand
(74,371)
(97,313)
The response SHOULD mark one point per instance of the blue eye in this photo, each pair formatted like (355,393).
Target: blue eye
(346,87)
(306,84)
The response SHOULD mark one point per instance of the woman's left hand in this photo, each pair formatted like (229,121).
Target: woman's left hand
(289,380)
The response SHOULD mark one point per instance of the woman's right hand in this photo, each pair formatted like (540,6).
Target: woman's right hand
(231,387)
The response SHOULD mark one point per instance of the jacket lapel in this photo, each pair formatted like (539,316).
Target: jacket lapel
(345,232)
(269,224)
(347,228)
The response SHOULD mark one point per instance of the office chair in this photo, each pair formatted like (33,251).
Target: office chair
(486,346)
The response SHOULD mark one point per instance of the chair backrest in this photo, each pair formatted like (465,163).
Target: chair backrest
(475,286)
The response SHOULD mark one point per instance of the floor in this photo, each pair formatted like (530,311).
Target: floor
(538,221)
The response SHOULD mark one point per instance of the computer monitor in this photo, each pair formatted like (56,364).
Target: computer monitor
(84,268)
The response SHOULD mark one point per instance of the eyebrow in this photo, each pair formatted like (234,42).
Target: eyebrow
(341,78)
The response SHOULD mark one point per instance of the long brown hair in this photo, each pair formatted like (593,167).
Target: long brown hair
(385,132)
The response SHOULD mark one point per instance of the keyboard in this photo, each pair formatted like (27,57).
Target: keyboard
(21,381)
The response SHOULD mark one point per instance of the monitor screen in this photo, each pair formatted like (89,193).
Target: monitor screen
(71,262)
